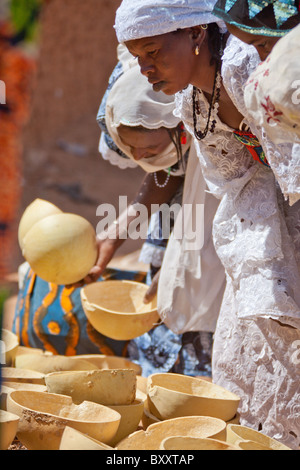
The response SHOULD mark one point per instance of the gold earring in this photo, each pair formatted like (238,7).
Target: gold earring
(197,50)
(204,26)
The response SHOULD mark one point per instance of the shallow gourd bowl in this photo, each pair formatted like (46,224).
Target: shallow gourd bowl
(141,383)
(11,386)
(148,418)
(237,434)
(75,440)
(14,374)
(194,443)
(101,361)
(44,416)
(106,386)
(193,426)
(116,308)
(173,395)
(131,416)
(9,346)
(8,428)
(47,364)
(27,350)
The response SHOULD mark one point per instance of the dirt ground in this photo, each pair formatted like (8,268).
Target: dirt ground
(61,162)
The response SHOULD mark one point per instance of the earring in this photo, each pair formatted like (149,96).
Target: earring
(204,26)
(197,50)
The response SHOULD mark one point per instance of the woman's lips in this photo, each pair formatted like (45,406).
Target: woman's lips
(158,86)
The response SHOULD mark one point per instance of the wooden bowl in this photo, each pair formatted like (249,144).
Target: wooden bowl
(8,428)
(173,395)
(106,386)
(238,435)
(192,426)
(44,416)
(116,308)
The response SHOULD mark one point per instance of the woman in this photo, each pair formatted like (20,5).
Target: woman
(272,91)
(258,327)
(139,128)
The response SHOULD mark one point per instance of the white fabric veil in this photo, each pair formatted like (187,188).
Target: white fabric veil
(132,102)
(137,19)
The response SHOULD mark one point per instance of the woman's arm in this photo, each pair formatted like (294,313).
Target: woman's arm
(147,195)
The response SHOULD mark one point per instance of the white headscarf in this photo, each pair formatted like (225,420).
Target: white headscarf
(136,19)
(132,102)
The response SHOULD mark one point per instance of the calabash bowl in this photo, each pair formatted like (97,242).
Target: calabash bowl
(194,443)
(193,426)
(44,416)
(46,364)
(131,416)
(173,395)
(106,386)
(238,434)
(116,308)
(8,428)
(102,361)
(75,440)
(10,344)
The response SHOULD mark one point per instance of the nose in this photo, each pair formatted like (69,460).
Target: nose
(138,154)
(146,66)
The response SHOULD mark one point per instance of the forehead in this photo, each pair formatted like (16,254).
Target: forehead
(243,35)
(145,43)
(139,136)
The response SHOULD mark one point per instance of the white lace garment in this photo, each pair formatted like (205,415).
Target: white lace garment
(257,236)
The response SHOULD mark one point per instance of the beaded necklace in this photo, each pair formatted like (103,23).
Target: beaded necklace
(213,107)
(180,138)
(215,98)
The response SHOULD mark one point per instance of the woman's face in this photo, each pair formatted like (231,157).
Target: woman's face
(144,143)
(167,60)
(263,44)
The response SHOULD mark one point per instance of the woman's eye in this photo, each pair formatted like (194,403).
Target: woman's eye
(263,44)
(152,53)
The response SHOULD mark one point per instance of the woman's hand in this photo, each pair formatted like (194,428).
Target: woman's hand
(152,291)
(106,250)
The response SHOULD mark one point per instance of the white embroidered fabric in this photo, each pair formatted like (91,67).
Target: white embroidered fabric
(284,158)
(136,19)
(256,235)
(113,157)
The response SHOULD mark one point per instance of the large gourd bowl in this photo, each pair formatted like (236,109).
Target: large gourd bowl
(116,308)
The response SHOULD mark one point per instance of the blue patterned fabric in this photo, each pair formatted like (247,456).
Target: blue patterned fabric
(260,17)
(50,317)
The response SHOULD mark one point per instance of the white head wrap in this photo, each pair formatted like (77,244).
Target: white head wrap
(136,19)
(132,102)
(272,93)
